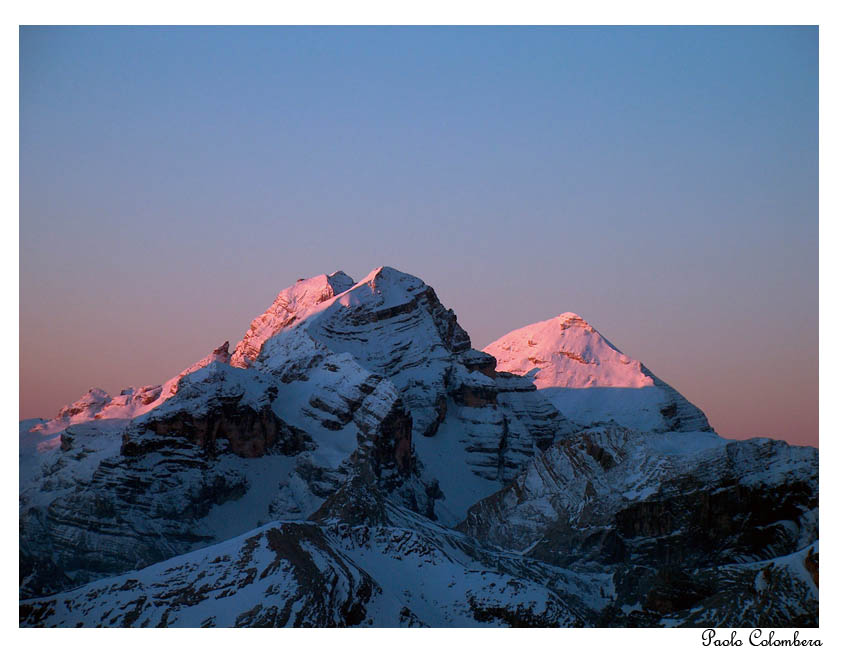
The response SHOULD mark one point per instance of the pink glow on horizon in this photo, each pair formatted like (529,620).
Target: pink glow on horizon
(660,182)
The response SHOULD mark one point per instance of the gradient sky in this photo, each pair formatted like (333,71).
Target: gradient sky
(660,182)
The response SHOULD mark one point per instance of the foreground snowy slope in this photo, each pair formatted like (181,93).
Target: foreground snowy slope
(355,439)
(361,561)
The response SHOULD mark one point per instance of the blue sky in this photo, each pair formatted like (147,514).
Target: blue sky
(660,182)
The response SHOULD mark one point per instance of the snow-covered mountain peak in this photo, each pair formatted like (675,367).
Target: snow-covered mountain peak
(571,316)
(567,352)
(564,355)
(384,287)
(570,319)
(340,282)
(391,282)
(392,324)
(402,303)
(219,355)
(87,405)
(291,305)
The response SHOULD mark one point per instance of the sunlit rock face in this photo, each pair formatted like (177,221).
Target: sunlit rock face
(355,462)
(673,516)
(291,305)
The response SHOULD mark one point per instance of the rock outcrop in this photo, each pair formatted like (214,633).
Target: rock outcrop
(361,561)
(664,512)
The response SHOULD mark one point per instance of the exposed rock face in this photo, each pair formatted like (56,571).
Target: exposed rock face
(732,499)
(769,593)
(611,497)
(249,433)
(392,446)
(214,407)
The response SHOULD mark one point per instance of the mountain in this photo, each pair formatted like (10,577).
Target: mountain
(355,439)
(291,304)
(671,516)
(359,560)
(590,380)
(381,371)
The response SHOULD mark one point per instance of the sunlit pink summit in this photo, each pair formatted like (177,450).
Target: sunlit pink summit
(292,304)
(569,353)
(565,355)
